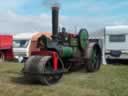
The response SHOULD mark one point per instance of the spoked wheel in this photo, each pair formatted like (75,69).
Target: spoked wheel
(50,76)
(94,62)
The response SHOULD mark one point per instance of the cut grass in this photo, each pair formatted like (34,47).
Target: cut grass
(110,80)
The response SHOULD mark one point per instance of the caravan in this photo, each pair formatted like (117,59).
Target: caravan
(24,43)
(116,42)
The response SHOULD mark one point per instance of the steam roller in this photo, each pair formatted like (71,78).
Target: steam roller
(61,53)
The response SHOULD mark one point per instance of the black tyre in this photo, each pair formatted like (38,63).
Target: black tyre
(94,61)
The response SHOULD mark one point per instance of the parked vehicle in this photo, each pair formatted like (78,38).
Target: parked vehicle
(6,52)
(116,42)
(24,43)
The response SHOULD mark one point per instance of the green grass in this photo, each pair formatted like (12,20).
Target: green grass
(109,81)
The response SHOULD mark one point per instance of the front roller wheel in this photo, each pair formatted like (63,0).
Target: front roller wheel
(30,69)
(94,61)
(38,68)
(50,76)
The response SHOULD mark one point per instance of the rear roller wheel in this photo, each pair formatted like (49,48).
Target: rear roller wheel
(94,62)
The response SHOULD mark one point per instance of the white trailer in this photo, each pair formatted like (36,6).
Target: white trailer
(116,42)
(24,43)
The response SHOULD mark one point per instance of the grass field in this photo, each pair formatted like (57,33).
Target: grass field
(109,81)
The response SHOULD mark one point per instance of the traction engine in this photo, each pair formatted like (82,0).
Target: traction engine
(61,53)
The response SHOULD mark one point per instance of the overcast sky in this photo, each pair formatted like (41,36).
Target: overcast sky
(35,15)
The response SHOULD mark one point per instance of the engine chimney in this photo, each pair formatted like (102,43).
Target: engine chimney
(55,20)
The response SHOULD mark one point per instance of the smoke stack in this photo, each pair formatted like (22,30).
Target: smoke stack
(55,20)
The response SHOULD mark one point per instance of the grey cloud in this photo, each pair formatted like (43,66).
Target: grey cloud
(13,23)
